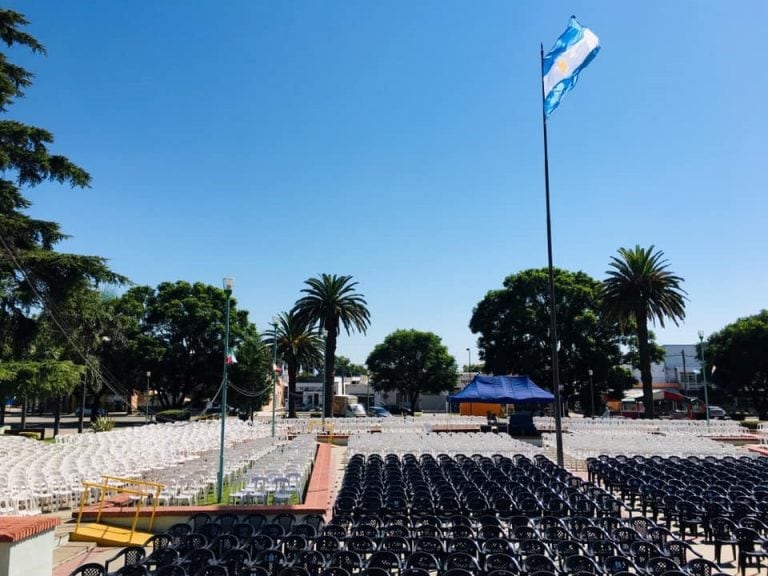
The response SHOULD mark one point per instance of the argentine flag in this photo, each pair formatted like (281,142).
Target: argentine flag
(572,52)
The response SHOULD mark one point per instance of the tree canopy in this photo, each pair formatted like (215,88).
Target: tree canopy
(641,288)
(412,363)
(513,328)
(176,332)
(331,302)
(298,347)
(35,279)
(738,355)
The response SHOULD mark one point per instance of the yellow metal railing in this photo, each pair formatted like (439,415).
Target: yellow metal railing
(138,490)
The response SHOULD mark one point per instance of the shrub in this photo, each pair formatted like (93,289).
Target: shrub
(30,435)
(102,424)
(172,416)
(750,424)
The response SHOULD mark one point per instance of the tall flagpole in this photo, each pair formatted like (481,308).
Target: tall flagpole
(552,307)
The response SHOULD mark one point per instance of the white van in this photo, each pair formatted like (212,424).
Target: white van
(354,411)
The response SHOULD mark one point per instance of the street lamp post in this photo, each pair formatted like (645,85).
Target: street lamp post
(274,372)
(469,361)
(228,283)
(146,398)
(591,392)
(704,375)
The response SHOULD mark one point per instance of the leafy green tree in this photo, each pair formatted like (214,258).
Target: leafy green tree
(177,333)
(34,278)
(738,355)
(513,327)
(413,363)
(331,302)
(298,347)
(41,379)
(640,288)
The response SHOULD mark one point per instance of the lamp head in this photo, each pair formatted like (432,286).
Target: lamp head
(149,374)
(701,334)
(590,372)
(228,284)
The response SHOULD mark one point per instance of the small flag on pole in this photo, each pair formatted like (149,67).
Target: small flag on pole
(231,357)
(572,52)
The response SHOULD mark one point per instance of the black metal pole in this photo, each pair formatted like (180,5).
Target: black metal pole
(553,308)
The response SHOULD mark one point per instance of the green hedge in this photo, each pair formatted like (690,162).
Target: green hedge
(173,416)
(31,435)
(750,424)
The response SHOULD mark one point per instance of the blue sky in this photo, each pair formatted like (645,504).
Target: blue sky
(401,142)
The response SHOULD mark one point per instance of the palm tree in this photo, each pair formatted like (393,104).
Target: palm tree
(298,347)
(331,302)
(639,288)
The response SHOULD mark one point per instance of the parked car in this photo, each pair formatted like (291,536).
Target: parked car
(717,413)
(378,412)
(215,410)
(354,411)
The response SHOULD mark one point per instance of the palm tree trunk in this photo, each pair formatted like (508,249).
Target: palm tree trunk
(293,370)
(330,355)
(644,350)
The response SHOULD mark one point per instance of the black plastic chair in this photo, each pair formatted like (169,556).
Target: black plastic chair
(678,551)
(641,552)
(386,560)
(659,565)
(198,519)
(212,570)
(170,570)
(501,561)
(458,572)
(89,569)
(236,561)
(751,548)
(576,564)
(723,534)
(346,559)
(129,555)
(701,567)
(614,565)
(133,570)
(210,531)
(312,560)
(461,560)
(197,559)
(538,563)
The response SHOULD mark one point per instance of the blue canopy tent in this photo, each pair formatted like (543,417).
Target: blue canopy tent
(506,390)
(502,390)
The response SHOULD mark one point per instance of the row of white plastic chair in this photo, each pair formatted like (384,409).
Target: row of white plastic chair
(583,444)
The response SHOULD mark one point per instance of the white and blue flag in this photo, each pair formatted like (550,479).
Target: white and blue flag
(572,52)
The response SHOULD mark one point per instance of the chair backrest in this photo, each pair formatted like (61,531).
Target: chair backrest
(701,567)
(538,563)
(89,569)
(384,559)
(170,570)
(501,561)
(617,564)
(660,564)
(422,560)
